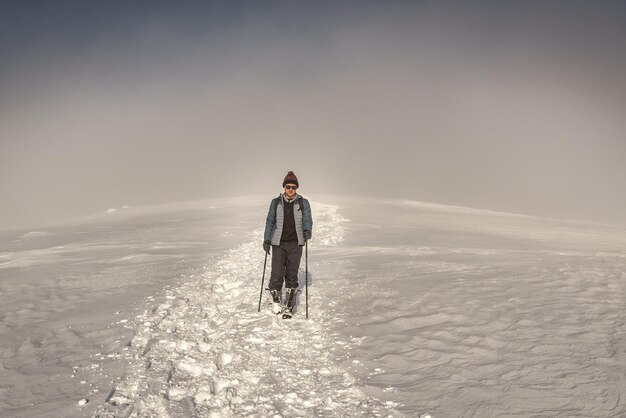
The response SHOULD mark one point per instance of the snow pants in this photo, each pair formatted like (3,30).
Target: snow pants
(285,264)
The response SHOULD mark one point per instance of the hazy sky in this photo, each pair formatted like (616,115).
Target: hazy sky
(512,106)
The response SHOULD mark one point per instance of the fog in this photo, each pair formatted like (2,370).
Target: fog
(509,106)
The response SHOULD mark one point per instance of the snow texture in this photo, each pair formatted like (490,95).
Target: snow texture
(415,310)
(206,352)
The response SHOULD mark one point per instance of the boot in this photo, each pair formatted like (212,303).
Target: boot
(290,296)
(277,303)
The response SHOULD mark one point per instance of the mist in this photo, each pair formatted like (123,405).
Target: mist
(509,106)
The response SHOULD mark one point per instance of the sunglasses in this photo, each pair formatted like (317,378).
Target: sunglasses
(291,187)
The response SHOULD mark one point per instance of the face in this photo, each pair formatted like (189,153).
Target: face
(290,190)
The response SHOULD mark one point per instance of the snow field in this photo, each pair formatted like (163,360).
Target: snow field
(66,290)
(206,351)
(481,314)
(420,307)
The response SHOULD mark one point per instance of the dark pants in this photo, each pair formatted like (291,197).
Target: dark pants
(285,264)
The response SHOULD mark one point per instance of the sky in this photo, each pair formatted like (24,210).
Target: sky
(514,106)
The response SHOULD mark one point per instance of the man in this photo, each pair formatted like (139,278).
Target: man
(287,227)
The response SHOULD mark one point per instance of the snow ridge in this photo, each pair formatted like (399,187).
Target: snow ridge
(206,351)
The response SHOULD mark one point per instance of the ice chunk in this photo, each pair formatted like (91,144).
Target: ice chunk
(224,359)
(202,395)
(176,393)
(219,384)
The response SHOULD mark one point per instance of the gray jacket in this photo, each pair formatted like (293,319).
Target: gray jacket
(276,216)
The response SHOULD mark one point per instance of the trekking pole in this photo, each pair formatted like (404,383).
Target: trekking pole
(262,282)
(306,275)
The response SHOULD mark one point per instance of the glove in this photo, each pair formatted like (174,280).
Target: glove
(307,235)
(267,244)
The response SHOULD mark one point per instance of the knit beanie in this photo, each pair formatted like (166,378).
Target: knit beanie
(291,178)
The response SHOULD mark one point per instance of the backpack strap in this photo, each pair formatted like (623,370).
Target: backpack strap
(276,202)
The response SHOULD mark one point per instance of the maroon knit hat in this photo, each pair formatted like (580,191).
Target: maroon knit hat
(291,178)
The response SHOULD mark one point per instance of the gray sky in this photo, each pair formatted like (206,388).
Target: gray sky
(511,106)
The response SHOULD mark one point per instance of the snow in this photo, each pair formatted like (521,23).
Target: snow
(68,292)
(213,341)
(482,314)
(415,309)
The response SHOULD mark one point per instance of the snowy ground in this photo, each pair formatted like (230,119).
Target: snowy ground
(487,314)
(414,309)
(207,351)
(67,292)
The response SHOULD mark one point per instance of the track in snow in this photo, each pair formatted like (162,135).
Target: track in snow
(206,351)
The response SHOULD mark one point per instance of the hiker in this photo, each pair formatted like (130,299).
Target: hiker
(287,227)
